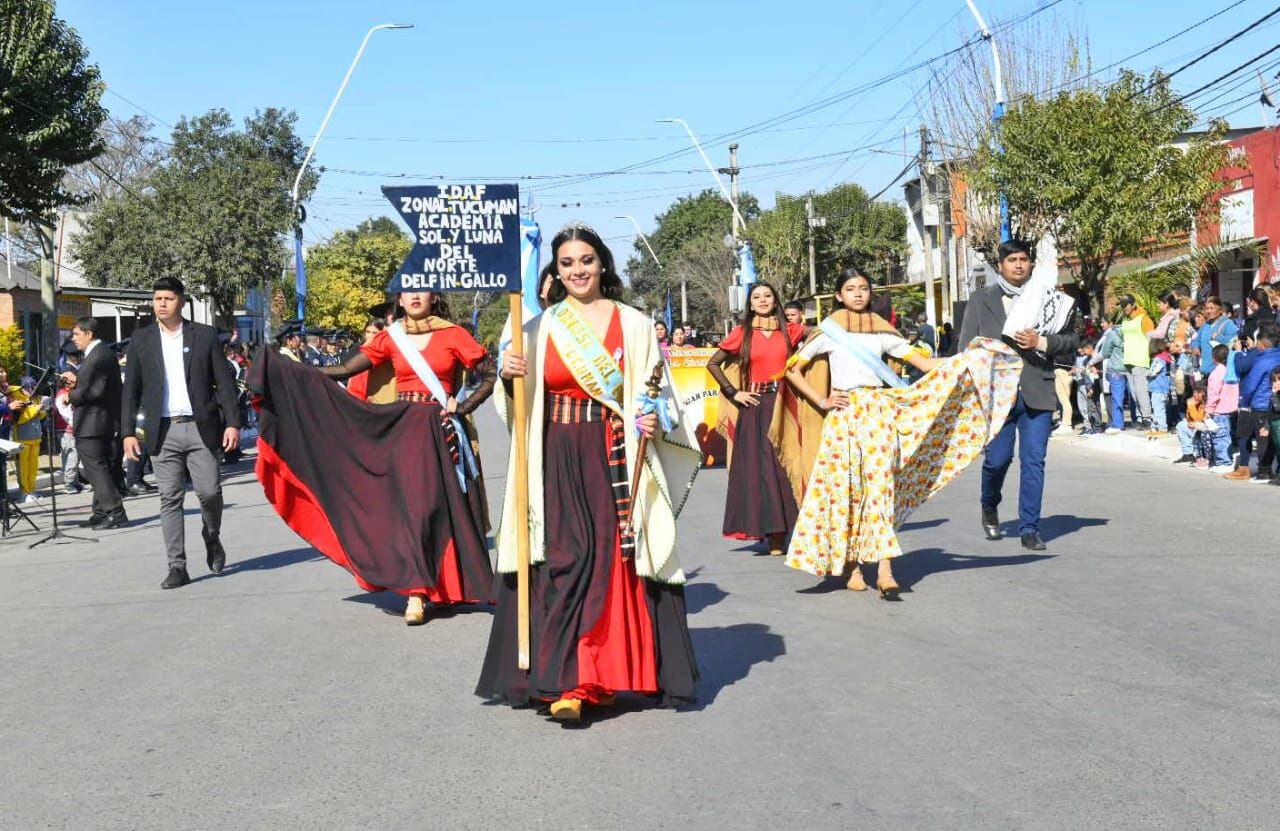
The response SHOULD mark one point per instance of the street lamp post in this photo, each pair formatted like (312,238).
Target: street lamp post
(719,182)
(299,275)
(684,299)
(998,112)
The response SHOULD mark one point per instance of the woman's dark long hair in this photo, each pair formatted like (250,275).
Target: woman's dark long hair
(549,272)
(610,281)
(748,317)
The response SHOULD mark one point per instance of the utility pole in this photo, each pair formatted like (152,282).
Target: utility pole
(813,221)
(926,236)
(944,212)
(732,172)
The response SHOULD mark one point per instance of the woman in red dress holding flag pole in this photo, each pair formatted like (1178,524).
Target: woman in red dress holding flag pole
(607,599)
(391,492)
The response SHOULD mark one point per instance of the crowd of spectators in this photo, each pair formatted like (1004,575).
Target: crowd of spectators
(1204,372)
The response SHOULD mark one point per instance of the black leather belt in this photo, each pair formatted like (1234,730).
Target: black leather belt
(181,419)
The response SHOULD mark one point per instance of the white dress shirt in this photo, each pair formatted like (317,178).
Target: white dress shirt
(177,402)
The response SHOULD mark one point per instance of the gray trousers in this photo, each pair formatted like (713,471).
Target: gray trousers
(184,453)
(1138,389)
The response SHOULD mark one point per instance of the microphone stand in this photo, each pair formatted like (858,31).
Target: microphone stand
(56,536)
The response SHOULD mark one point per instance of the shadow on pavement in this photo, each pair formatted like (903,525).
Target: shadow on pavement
(280,559)
(726,655)
(924,523)
(393,604)
(698,596)
(917,565)
(1059,525)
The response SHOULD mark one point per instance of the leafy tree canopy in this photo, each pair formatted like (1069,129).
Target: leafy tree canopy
(350,272)
(1098,168)
(690,220)
(858,232)
(213,212)
(50,109)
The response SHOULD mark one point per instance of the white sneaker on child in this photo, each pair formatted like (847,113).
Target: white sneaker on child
(1222,469)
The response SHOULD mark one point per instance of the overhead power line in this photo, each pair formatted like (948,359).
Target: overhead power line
(1164,77)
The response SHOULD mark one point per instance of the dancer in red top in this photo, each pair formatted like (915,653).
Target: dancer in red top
(391,492)
(759,503)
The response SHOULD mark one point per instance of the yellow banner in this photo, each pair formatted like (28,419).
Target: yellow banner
(698,396)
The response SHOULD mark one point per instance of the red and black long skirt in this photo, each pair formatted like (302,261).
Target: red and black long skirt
(759,501)
(596,627)
(372,487)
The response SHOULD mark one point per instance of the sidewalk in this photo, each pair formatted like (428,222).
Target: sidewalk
(1134,444)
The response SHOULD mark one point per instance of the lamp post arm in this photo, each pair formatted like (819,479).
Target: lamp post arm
(995,52)
(715,174)
(297,182)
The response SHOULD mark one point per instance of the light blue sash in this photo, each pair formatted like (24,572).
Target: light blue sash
(467,460)
(853,347)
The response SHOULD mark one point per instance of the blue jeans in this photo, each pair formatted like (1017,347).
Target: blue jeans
(1117,384)
(1221,439)
(1192,442)
(1032,432)
(1160,412)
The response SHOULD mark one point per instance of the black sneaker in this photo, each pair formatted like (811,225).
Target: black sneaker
(1185,458)
(177,579)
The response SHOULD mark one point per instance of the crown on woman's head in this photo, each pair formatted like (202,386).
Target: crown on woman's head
(577,225)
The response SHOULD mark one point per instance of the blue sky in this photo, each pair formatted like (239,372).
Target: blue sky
(485,91)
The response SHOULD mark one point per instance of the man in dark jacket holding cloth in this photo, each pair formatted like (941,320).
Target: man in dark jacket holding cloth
(1032,415)
(177,373)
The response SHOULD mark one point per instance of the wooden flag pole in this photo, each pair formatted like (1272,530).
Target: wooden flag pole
(519,429)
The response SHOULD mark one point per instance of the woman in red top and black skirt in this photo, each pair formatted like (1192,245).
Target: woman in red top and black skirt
(607,604)
(759,503)
(391,492)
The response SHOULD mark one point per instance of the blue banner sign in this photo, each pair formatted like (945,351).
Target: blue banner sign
(465,237)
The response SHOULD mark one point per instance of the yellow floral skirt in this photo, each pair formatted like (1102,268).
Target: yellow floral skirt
(882,456)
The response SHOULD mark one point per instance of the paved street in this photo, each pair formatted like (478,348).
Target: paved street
(1128,679)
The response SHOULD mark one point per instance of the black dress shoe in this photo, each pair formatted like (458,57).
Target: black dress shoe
(991,525)
(119,520)
(137,489)
(177,579)
(215,555)
(1032,542)
(92,521)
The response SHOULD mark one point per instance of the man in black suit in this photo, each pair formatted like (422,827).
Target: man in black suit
(1032,414)
(177,373)
(95,394)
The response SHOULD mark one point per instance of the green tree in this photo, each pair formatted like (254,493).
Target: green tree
(858,232)
(50,111)
(350,272)
(690,220)
(12,352)
(214,212)
(1098,169)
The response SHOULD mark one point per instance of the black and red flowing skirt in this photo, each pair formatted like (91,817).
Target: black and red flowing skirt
(372,487)
(595,626)
(759,501)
